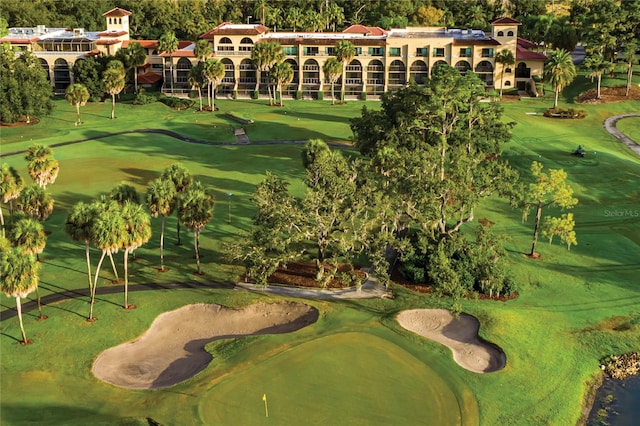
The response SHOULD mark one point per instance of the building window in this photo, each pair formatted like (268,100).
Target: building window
(120,21)
(394,51)
(500,33)
(290,50)
(330,51)
(311,51)
(422,51)
(508,71)
(465,52)
(376,51)
(510,33)
(487,53)
(358,51)
(507,83)
(438,52)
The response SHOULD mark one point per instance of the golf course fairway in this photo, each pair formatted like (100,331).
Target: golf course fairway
(347,378)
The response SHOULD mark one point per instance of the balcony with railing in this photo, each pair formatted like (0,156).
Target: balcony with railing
(310,80)
(375,81)
(375,68)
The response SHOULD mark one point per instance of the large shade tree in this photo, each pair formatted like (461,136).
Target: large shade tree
(195,211)
(168,43)
(559,71)
(77,95)
(19,275)
(160,200)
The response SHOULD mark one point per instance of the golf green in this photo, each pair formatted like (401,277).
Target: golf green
(347,378)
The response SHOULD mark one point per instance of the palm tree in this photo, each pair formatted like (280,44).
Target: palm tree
(137,232)
(213,71)
(335,15)
(261,10)
(196,79)
(108,233)
(27,236)
(18,277)
(161,198)
(265,55)
(35,202)
(77,95)
(559,71)
(332,68)
(124,192)
(506,58)
(294,18)
(345,52)
(597,65)
(313,21)
(630,57)
(168,43)
(281,73)
(43,168)
(10,187)
(113,80)
(79,225)
(182,179)
(202,50)
(137,58)
(196,211)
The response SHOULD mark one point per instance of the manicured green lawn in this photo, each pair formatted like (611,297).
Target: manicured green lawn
(574,306)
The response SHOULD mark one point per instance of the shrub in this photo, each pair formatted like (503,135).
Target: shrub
(256,94)
(176,103)
(235,94)
(143,99)
(298,95)
(363,96)
(320,96)
(193,94)
(412,273)
(342,96)
(564,113)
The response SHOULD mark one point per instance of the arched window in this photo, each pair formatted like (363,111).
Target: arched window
(109,20)
(45,66)
(228,71)
(294,67)
(463,67)
(246,40)
(225,40)
(507,83)
(61,75)
(484,66)
(182,72)
(510,33)
(120,21)
(440,62)
(311,72)
(500,33)
(224,45)
(419,72)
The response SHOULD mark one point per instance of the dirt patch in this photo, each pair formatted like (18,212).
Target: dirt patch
(610,94)
(460,334)
(302,274)
(21,123)
(172,350)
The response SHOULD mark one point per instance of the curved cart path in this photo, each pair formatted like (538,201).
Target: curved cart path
(610,126)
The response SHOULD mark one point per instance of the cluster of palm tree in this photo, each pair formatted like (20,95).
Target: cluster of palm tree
(208,73)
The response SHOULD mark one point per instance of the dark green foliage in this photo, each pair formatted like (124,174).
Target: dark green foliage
(564,113)
(363,96)
(24,89)
(89,72)
(176,103)
(256,94)
(320,96)
(143,99)
(298,95)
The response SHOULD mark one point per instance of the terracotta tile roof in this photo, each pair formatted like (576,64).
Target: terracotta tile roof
(523,54)
(108,42)
(116,11)
(363,29)
(147,44)
(149,78)
(93,52)
(321,41)
(526,43)
(475,42)
(227,28)
(179,54)
(19,40)
(184,43)
(112,33)
(506,21)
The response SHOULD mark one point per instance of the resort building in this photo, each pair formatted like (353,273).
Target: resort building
(385,59)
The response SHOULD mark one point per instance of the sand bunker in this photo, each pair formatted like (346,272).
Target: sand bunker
(459,334)
(172,350)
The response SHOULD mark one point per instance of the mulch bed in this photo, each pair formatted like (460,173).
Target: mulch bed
(610,94)
(302,274)
(21,123)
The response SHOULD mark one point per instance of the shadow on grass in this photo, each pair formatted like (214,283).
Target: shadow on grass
(15,414)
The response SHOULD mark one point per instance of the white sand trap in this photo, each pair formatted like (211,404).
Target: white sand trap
(172,350)
(458,334)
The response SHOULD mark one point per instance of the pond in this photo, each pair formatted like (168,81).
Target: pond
(616,403)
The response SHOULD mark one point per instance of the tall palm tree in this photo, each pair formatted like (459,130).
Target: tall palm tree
(294,18)
(11,184)
(79,225)
(506,58)
(108,234)
(630,57)
(113,80)
(559,71)
(77,95)
(168,43)
(335,15)
(124,192)
(137,232)
(202,50)
(265,55)
(137,58)
(332,68)
(196,211)
(161,198)
(18,277)
(195,79)
(345,52)
(27,236)
(281,73)
(35,202)
(42,167)
(261,10)
(312,21)
(182,179)
(597,65)
(213,71)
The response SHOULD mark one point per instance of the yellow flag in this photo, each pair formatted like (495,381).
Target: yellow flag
(264,397)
